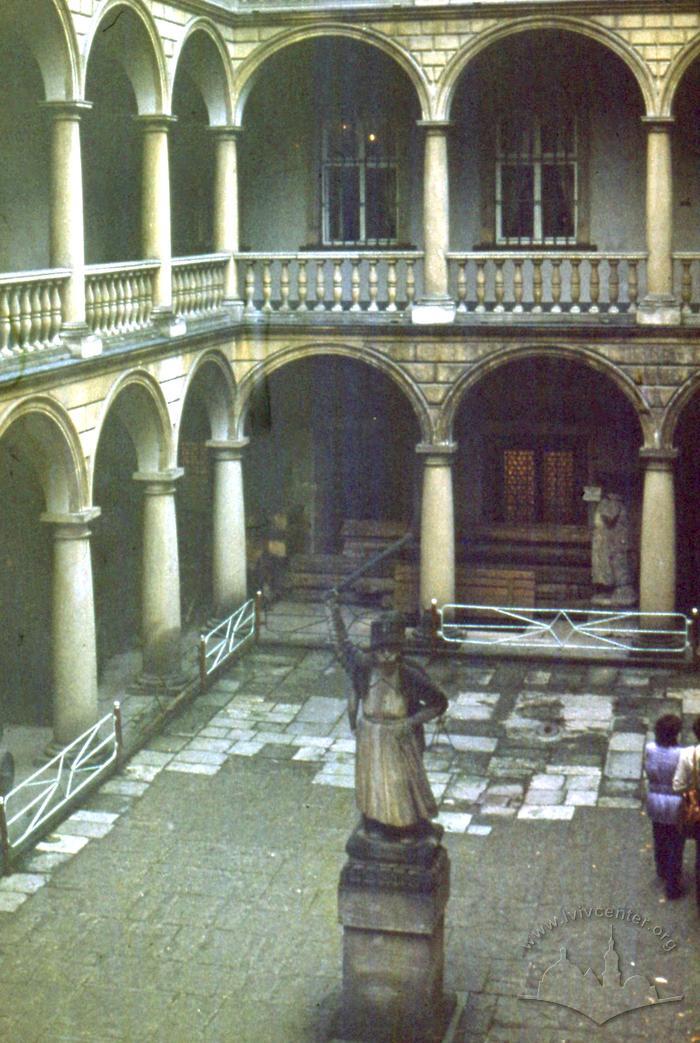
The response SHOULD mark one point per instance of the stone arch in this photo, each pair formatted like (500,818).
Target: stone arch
(48,29)
(47,437)
(142,408)
(369,356)
(677,70)
(215,370)
(681,398)
(611,41)
(215,81)
(476,373)
(141,52)
(247,73)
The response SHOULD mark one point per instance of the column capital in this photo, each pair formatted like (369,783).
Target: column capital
(228,449)
(226,131)
(155,122)
(66,110)
(434,125)
(159,483)
(658,124)
(657,459)
(71,526)
(437,454)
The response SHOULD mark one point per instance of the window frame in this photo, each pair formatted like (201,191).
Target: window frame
(362,163)
(539,450)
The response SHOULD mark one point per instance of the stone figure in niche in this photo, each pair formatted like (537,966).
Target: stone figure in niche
(389,701)
(612,568)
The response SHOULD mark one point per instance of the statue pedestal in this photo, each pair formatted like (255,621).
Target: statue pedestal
(393,915)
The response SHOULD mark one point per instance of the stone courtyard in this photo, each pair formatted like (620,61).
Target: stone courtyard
(194,896)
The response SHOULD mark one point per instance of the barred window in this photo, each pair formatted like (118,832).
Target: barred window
(360,184)
(537,180)
(540,485)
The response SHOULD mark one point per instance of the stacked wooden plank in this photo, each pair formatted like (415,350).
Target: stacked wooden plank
(474,586)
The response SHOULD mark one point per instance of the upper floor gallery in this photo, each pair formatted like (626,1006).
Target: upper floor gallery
(164,166)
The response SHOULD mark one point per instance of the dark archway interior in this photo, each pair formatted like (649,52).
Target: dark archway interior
(116,542)
(112,160)
(533,436)
(192,156)
(25,593)
(332,440)
(194,508)
(687,440)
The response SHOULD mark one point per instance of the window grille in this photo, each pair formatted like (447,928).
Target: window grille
(360,184)
(539,485)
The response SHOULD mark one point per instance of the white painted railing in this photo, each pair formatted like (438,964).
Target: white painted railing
(119,297)
(552,281)
(198,284)
(329,281)
(687,280)
(30,310)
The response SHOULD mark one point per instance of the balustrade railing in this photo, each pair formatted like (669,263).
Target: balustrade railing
(30,310)
(119,297)
(552,282)
(687,281)
(329,281)
(198,284)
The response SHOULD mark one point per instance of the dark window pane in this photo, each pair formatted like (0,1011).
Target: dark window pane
(558,202)
(343,204)
(517,195)
(519,485)
(558,486)
(380,202)
(558,136)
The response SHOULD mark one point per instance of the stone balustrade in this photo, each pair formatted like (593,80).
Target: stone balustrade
(330,281)
(119,297)
(30,310)
(198,284)
(546,282)
(687,281)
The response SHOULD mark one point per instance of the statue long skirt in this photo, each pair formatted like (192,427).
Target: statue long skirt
(390,781)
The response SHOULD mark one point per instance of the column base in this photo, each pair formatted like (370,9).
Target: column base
(151,684)
(80,341)
(168,323)
(393,916)
(433,311)
(659,309)
(233,308)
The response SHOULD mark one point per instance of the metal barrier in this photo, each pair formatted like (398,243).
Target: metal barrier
(218,646)
(56,784)
(667,634)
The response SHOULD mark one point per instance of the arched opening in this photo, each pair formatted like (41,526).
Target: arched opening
(330,472)
(342,166)
(686,440)
(25,590)
(544,157)
(121,82)
(196,91)
(26,162)
(116,543)
(541,441)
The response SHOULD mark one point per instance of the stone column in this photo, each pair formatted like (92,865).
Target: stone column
(659,306)
(155,216)
(160,581)
(75,706)
(437,529)
(435,304)
(67,234)
(228,544)
(226,210)
(657,553)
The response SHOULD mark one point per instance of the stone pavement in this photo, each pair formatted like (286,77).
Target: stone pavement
(194,897)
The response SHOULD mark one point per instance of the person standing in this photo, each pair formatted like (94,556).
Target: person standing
(685,778)
(661,759)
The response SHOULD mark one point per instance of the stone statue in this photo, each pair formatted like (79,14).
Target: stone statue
(389,702)
(611,552)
